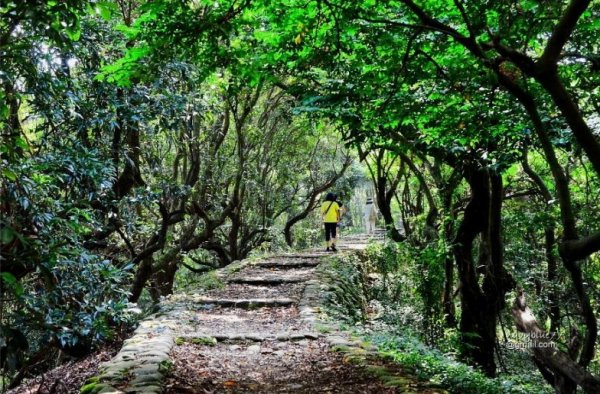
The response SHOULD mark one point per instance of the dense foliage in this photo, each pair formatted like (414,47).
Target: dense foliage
(139,137)
(108,190)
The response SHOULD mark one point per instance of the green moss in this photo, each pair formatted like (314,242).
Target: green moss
(340,348)
(397,381)
(355,359)
(364,344)
(323,329)
(377,370)
(209,341)
(205,341)
(89,388)
(93,379)
(235,266)
(165,366)
(124,373)
(210,281)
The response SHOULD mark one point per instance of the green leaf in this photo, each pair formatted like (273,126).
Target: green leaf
(129,31)
(8,278)
(12,283)
(74,34)
(106,9)
(21,143)
(529,5)
(9,174)
(268,37)
(4,111)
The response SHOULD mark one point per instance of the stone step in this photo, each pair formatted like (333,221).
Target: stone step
(300,256)
(212,338)
(287,265)
(246,303)
(270,281)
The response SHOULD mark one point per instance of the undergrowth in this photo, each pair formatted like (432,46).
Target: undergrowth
(385,301)
(432,365)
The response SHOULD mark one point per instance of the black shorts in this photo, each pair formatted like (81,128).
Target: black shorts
(330,230)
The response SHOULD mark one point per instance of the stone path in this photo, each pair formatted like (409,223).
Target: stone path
(260,332)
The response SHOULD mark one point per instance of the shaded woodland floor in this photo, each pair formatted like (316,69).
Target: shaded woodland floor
(268,349)
(249,335)
(69,377)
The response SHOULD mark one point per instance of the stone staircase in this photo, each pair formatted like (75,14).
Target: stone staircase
(258,332)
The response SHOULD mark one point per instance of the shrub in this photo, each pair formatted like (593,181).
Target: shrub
(432,365)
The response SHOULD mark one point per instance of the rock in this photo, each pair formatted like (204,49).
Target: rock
(254,349)
(255,337)
(104,389)
(123,365)
(146,379)
(337,340)
(146,369)
(145,389)
(282,337)
(153,353)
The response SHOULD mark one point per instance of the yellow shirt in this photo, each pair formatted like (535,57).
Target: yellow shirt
(332,213)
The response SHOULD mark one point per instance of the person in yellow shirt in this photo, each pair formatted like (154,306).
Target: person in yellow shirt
(330,212)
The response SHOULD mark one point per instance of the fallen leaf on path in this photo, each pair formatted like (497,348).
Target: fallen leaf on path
(229,383)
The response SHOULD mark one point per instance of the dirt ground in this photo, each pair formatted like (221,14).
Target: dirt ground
(69,377)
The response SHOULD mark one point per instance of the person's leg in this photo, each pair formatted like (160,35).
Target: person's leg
(330,235)
(327,235)
(371,226)
(333,234)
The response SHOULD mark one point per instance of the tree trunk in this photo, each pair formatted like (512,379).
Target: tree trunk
(571,247)
(383,194)
(549,243)
(573,116)
(478,346)
(448,295)
(481,305)
(142,275)
(552,276)
(564,368)
(384,205)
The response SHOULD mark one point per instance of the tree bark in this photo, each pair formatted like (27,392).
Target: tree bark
(546,352)
(385,188)
(447,189)
(142,274)
(478,345)
(549,243)
(569,256)
(481,305)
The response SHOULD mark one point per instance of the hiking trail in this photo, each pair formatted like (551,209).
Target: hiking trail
(259,332)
